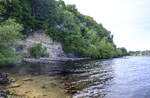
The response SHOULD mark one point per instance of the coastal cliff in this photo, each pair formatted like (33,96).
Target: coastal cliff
(53,49)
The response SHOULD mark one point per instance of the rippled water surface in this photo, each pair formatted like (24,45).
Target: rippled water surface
(127,77)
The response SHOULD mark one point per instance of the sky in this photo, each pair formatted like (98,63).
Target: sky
(128,20)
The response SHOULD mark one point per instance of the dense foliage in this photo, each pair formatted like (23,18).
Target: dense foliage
(37,51)
(121,52)
(80,34)
(9,33)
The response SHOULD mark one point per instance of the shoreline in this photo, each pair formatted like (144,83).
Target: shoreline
(51,60)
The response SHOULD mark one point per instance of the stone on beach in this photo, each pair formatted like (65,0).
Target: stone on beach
(4,79)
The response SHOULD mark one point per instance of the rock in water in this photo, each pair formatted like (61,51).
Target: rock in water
(4,79)
(4,93)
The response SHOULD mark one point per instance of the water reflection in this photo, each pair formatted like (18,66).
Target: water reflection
(96,80)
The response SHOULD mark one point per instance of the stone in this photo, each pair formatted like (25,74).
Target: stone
(4,93)
(72,91)
(4,79)
(14,85)
(13,80)
(27,79)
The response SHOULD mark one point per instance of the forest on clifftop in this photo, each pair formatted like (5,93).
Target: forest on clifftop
(79,34)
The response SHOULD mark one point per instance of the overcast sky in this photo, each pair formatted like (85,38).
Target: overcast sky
(128,20)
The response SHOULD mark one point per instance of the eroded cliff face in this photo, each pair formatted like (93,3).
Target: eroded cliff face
(54,49)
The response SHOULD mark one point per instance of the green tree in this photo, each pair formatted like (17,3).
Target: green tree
(107,50)
(121,52)
(9,33)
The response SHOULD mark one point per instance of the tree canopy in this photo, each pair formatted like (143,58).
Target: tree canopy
(9,33)
(79,34)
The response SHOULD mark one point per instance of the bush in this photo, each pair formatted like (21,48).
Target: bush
(8,56)
(38,51)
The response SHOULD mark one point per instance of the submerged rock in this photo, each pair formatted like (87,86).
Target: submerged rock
(72,91)
(43,87)
(53,85)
